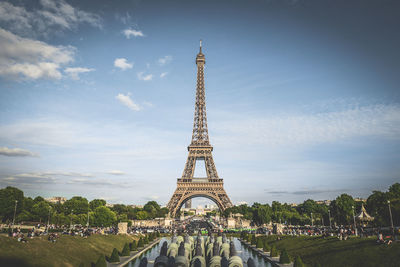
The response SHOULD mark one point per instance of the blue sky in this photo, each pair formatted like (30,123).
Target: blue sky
(97,97)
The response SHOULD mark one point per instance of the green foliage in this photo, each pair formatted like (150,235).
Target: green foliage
(126,251)
(145,239)
(96,203)
(298,262)
(133,246)
(40,210)
(317,264)
(266,246)
(158,234)
(114,256)
(8,196)
(101,262)
(284,257)
(274,251)
(253,240)
(259,242)
(76,205)
(81,264)
(103,216)
(140,243)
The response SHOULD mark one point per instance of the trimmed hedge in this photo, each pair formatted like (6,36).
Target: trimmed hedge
(114,256)
(126,251)
(284,257)
(274,251)
(101,262)
(266,247)
(259,243)
(133,246)
(298,262)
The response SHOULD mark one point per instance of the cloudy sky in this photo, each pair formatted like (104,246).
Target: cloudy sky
(97,97)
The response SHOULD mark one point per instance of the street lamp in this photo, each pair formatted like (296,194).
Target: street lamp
(329,213)
(15,211)
(70,223)
(354,220)
(391,218)
(312,223)
(87,224)
(48,219)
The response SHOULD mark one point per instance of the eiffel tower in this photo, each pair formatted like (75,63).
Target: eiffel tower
(211,187)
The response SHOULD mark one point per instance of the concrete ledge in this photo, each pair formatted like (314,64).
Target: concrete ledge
(134,254)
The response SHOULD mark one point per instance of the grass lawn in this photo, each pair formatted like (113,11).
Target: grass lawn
(67,251)
(355,252)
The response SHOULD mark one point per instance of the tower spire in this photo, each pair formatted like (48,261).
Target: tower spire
(200,45)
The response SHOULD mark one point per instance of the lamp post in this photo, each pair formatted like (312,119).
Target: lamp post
(354,220)
(312,223)
(391,218)
(329,213)
(15,211)
(87,224)
(48,219)
(70,224)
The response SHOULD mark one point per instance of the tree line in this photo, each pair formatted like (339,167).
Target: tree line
(72,211)
(340,210)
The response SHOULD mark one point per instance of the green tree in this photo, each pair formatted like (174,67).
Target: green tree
(40,210)
(79,205)
(140,243)
(142,215)
(96,203)
(342,209)
(262,214)
(38,199)
(8,196)
(103,216)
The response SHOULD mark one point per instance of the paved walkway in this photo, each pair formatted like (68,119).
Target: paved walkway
(124,260)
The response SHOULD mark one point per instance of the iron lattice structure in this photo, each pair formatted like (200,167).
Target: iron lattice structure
(212,186)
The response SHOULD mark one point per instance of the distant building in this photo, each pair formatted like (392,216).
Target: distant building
(359,199)
(323,202)
(136,206)
(109,205)
(56,200)
(293,205)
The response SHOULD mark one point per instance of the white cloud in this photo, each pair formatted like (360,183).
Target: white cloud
(17,152)
(116,172)
(143,77)
(127,101)
(74,72)
(162,75)
(132,32)
(122,63)
(49,16)
(164,60)
(26,58)
(375,120)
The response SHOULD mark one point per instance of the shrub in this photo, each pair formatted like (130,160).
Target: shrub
(248,238)
(126,251)
(101,262)
(298,262)
(140,243)
(82,264)
(266,246)
(114,256)
(317,264)
(146,239)
(284,257)
(253,240)
(158,234)
(133,246)
(259,242)
(274,251)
